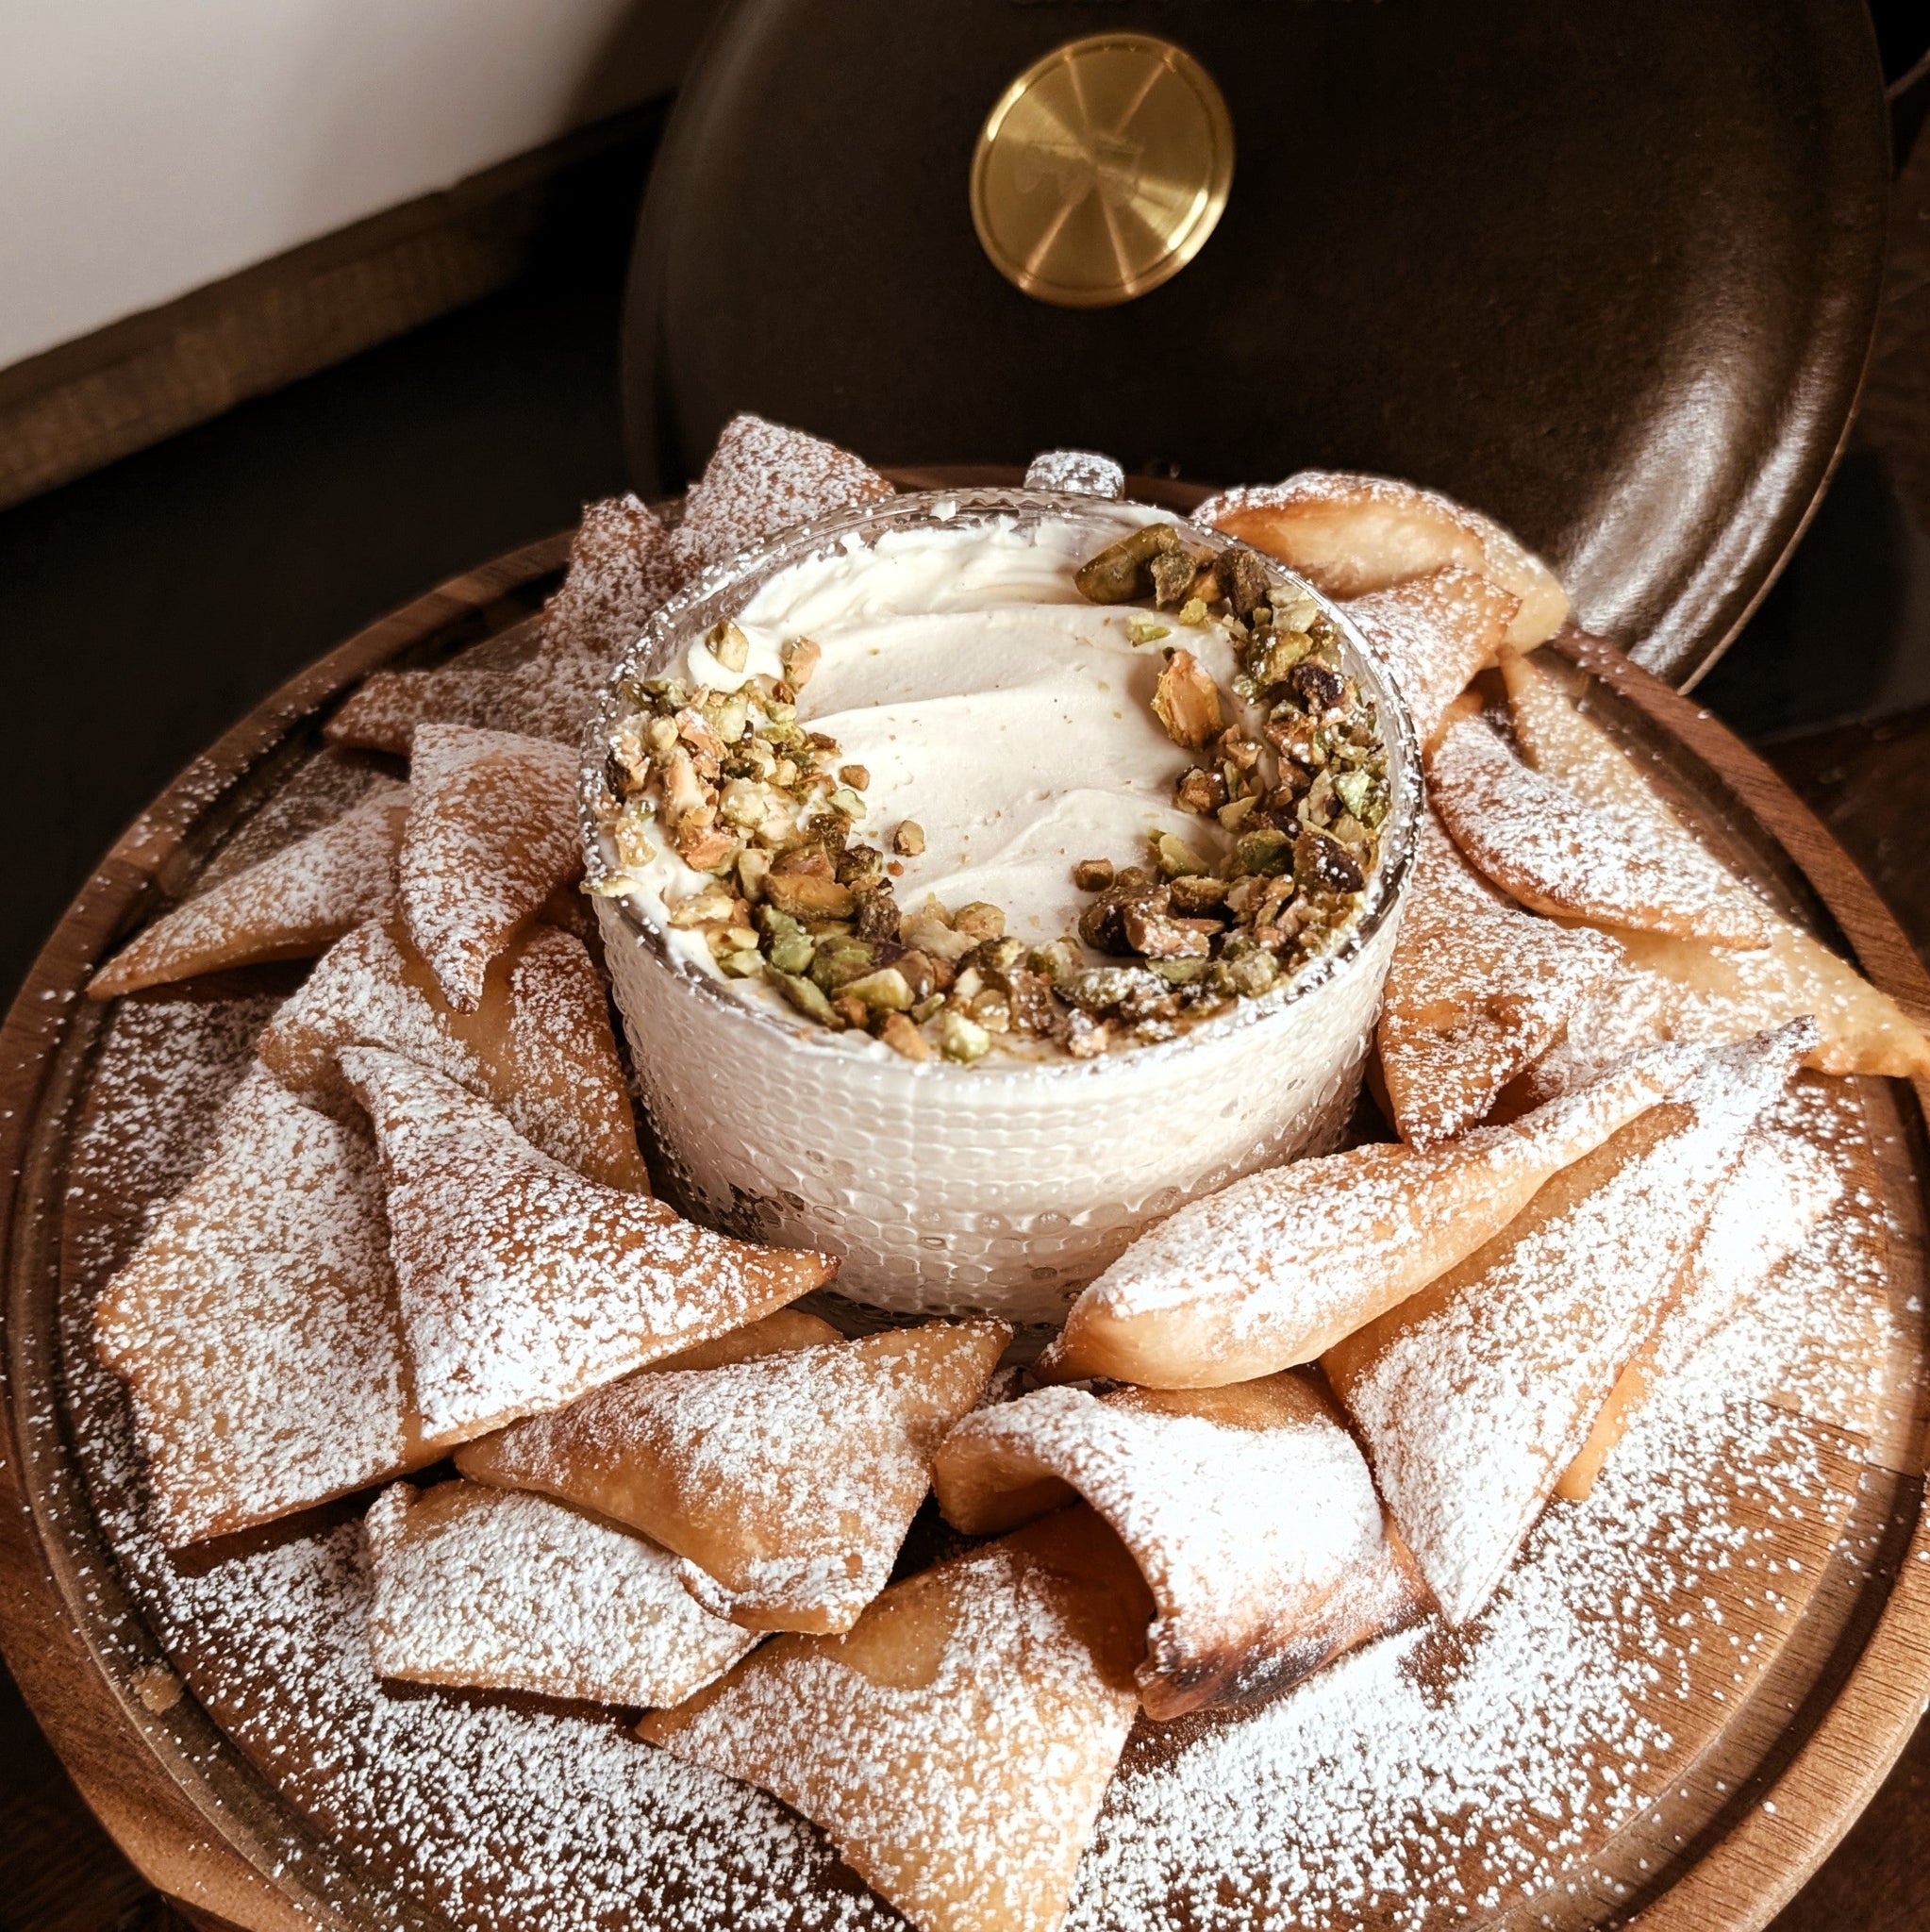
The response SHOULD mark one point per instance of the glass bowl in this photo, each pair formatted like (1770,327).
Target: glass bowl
(1002,1187)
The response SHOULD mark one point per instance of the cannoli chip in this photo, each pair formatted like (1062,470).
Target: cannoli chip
(1782,1186)
(956,1744)
(256,1326)
(1705,992)
(1555,853)
(496,1590)
(762,479)
(1278,1267)
(491,834)
(522,1285)
(1351,535)
(788,1479)
(539,1046)
(1476,1395)
(1476,991)
(1435,634)
(288,907)
(1249,1511)
(621,569)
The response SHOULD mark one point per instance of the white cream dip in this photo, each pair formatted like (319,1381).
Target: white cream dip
(989,703)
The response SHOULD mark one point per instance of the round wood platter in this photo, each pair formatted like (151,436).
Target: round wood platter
(1771,1752)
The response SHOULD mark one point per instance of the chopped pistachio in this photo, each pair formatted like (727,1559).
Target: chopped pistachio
(1092,875)
(1182,972)
(855,1013)
(807,997)
(1355,788)
(728,645)
(883,991)
(751,868)
(845,800)
(1176,858)
(902,1036)
(800,659)
(908,838)
(927,1007)
(1232,816)
(857,776)
(962,1040)
(931,936)
(1192,613)
(1266,851)
(981,920)
(1143,631)
(633,848)
(1058,962)
(1187,702)
(746,964)
(808,897)
(793,953)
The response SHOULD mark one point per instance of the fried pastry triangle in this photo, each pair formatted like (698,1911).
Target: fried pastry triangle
(289,907)
(788,1480)
(762,479)
(539,1046)
(1544,846)
(1781,1187)
(491,834)
(1704,991)
(1434,634)
(522,1285)
(954,1746)
(1350,535)
(1476,1393)
(621,569)
(1249,1511)
(256,1326)
(501,1591)
(1277,1268)
(1476,991)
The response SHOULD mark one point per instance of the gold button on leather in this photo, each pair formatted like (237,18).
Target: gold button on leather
(1102,169)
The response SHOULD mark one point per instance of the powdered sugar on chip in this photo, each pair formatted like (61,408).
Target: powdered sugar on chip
(522,1285)
(288,907)
(1543,844)
(256,1326)
(788,1480)
(491,1588)
(762,479)
(1434,634)
(1249,1511)
(1476,991)
(491,834)
(539,1046)
(1473,1397)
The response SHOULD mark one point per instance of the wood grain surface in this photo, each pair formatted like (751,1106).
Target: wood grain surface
(1859,1668)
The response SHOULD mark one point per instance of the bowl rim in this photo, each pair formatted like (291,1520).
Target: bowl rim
(733,582)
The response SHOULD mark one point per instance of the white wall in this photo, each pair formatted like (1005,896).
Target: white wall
(150,146)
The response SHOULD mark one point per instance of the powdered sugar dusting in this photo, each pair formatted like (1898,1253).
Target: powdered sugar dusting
(789,1480)
(489,1588)
(1434,634)
(283,908)
(491,834)
(522,1284)
(1542,843)
(1477,990)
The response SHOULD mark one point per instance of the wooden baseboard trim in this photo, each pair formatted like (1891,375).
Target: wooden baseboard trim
(86,403)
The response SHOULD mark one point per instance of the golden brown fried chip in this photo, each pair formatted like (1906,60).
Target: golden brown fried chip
(491,834)
(256,1326)
(539,1046)
(1277,1268)
(1476,991)
(1249,1511)
(500,1592)
(1435,634)
(953,1745)
(1351,535)
(1704,992)
(1476,1393)
(1781,1187)
(523,1285)
(1545,846)
(288,907)
(788,1480)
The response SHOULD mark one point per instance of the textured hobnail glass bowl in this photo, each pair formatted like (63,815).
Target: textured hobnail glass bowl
(1002,1187)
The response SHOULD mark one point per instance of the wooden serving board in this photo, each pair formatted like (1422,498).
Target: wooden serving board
(1789,1677)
